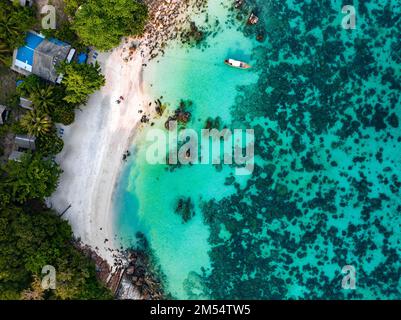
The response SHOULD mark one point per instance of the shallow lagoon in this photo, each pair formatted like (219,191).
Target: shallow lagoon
(324,103)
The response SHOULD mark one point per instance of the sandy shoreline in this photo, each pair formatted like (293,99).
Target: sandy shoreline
(93,151)
(94,145)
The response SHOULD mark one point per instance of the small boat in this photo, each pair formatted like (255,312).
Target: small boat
(253,19)
(237,64)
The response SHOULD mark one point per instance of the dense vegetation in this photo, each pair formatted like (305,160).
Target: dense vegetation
(31,238)
(57,103)
(102,23)
(80,80)
(32,235)
(30,178)
(14,21)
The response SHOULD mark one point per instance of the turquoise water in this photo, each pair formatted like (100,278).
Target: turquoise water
(324,103)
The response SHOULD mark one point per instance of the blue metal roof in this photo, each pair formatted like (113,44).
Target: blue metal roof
(33,40)
(25,53)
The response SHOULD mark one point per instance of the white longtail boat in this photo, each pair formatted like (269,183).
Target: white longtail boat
(237,64)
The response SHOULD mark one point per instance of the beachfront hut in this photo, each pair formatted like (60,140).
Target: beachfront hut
(40,56)
(24,142)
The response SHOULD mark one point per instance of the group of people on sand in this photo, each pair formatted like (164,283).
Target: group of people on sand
(120,99)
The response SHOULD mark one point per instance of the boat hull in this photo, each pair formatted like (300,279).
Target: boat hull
(242,65)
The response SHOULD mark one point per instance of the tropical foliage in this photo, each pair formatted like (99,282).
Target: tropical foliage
(30,178)
(64,33)
(29,241)
(80,80)
(71,6)
(31,235)
(102,23)
(15,20)
(5,54)
(43,99)
(50,144)
(64,115)
(28,85)
(36,123)
(47,99)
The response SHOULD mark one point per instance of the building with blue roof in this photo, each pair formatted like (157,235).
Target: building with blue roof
(40,56)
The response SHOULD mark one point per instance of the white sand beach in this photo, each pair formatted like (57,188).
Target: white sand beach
(93,152)
(103,131)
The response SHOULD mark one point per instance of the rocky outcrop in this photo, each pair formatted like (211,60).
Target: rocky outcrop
(140,273)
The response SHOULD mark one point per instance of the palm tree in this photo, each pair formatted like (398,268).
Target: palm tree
(43,99)
(5,54)
(14,21)
(10,30)
(36,123)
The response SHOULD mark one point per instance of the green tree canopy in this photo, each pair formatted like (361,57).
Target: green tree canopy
(102,23)
(15,20)
(49,145)
(64,115)
(80,80)
(31,240)
(36,123)
(47,98)
(43,98)
(30,178)
(28,85)
(32,237)
(71,6)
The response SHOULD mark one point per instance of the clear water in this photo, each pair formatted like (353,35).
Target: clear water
(324,103)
